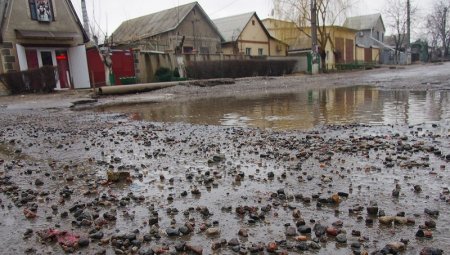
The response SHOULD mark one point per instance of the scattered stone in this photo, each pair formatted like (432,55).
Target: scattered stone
(431,251)
(244,232)
(397,246)
(212,231)
(233,242)
(38,182)
(291,231)
(341,238)
(272,247)
(118,176)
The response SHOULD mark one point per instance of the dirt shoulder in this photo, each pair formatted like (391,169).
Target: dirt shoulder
(415,77)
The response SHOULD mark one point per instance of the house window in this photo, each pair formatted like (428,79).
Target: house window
(47,58)
(260,51)
(253,22)
(188,50)
(41,10)
(378,35)
(248,51)
(204,50)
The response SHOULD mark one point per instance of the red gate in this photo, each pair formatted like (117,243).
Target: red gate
(123,66)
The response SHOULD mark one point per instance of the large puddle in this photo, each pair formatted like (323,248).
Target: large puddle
(302,110)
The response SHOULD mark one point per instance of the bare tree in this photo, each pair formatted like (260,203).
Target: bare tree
(397,20)
(329,12)
(439,27)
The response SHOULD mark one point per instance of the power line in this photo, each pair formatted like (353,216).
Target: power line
(223,8)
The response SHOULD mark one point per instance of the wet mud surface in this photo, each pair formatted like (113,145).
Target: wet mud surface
(85,182)
(219,190)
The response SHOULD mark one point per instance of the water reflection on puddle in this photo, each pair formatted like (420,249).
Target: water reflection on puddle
(302,110)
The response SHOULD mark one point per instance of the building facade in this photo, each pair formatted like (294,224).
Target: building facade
(245,34)
(339,49)
(184,29)
(370,29)
(36,33)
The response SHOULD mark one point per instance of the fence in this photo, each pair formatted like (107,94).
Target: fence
(150,61)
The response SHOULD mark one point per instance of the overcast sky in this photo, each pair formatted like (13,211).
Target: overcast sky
(109,14)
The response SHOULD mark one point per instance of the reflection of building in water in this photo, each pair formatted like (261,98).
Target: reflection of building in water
(415,107)
(306,109)
(349,105)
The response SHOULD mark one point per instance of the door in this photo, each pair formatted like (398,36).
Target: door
(340,50)
(79,67)
(368,55)
(62,63)
(349,48)
(32,58)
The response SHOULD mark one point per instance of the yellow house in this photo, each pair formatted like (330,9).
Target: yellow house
(245,34)
(370,54)
(340,45)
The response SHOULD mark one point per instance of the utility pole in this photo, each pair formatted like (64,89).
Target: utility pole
(314,53)
(445,51)
(85,18)
(408,28)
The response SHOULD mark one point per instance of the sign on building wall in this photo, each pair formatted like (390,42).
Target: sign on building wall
(41,10)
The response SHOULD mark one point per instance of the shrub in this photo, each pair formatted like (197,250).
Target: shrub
(163,74)
(41,80)
(239,68)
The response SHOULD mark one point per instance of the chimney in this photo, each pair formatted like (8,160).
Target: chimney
(85,18)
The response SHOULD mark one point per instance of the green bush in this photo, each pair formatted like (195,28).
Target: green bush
(239,68)
(163,74)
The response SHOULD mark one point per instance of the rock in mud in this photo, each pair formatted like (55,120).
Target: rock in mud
(212,231)
(118,176)
(341,238)
(431,251)
(397,246)
(291,231)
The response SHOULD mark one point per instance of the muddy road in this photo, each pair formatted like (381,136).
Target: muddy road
(102,183)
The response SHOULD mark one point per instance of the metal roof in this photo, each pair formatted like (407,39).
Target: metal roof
(156,23)
(365,22)
(232,27)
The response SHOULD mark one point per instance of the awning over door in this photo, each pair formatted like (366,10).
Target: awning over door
(46,35)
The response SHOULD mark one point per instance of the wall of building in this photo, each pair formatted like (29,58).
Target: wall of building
(3,90)
(361,53)
(284,31)
(198,35)
(18,17)
(278,48)
(254,37)
(149,62)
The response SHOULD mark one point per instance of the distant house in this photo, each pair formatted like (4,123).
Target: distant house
(370,29)
(370,37)
(340,48)
(245,34)
(36,33)
(186,28)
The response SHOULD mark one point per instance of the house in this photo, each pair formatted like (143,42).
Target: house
(186,29)
(285,31)
(370,29)
(340,46)
(246,34)
(36,33)
(370,36)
